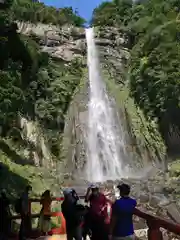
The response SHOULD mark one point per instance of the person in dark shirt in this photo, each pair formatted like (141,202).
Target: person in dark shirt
(86,224)
(97,213)
(121,227)
(72,215)
(5,223)
(25,212)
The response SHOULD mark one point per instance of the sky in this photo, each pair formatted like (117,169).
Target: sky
(84,7)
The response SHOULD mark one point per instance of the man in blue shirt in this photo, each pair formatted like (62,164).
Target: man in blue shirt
(121,227)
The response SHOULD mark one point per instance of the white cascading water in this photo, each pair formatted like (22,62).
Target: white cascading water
(106,144)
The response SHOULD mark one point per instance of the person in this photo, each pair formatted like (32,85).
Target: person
(72,215)
(121,225)
(97,213)
(5,223)
(25,227)
(45,214)
(75,196)
(86,231)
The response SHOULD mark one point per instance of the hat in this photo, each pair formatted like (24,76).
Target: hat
(67,191)
(94,186)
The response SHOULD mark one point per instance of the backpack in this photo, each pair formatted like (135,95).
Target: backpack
(18,205)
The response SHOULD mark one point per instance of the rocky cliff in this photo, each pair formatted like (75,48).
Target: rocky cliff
(30,149)
(144,144)
(61,43)
(64,45)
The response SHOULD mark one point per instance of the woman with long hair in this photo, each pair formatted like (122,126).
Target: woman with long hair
(45,214)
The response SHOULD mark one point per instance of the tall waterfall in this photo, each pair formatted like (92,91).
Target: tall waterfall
(106,144)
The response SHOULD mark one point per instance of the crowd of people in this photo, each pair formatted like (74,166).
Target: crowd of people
(81,220)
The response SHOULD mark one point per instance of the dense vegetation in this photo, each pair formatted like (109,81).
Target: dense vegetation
(153,29)
(32,85)
(34,11)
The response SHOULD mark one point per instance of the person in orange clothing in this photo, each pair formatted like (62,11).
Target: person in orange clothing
(45,214)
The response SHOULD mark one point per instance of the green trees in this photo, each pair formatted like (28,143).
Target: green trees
(32,84)
(103,15)
(153,27)
(115,13)
(32,11)
(35,87)
(62,81)
(155,79)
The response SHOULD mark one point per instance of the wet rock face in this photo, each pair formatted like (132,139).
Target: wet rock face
(113,51)
(75,135)
(66,43)
(38,151)
(114,55)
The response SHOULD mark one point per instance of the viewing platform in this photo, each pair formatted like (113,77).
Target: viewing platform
(155,224)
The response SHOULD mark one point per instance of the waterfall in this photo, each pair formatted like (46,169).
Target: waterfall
(105,141)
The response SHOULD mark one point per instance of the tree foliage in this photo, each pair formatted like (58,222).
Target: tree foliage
(34,11)
(32,84)
(153,27)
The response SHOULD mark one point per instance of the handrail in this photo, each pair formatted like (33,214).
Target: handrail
(159,222)
(154,223)
(35,215)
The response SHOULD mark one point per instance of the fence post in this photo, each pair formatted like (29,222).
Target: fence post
(30,213)
(154,233)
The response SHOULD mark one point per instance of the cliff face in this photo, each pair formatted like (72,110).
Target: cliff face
(62,44)
(143,137)
(27,151)
(113,51)
(65,45)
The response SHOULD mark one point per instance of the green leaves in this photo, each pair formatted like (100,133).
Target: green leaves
(26,10)
(31,83)
(52,107)
(105,14)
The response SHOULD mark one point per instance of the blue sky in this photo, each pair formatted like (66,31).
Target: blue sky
(84,7)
